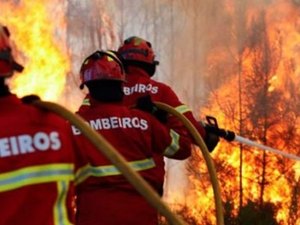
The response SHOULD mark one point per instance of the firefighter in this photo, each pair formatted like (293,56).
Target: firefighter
(140,65)
(104,196)
(36,157)
(139,62)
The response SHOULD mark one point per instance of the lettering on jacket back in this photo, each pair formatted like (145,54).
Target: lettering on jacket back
(140,88)
(115,122)
(27,143)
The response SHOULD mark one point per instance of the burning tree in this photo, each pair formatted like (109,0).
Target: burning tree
(251,62)
(257,187)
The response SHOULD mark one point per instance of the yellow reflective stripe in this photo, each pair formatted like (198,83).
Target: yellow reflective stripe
(36,175)
(182,109)
(86,101)
(60,206)
(174,146)
(110,170)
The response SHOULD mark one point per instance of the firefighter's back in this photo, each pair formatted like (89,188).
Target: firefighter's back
(36,166)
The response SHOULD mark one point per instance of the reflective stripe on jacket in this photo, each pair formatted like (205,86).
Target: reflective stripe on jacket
(61,174)
(35,175)
(174,147)
(110,170)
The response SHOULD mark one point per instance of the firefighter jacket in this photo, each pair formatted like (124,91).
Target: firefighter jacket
(138,136)
(140,84)
(36,166)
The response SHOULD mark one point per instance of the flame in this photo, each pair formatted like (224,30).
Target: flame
(281,175)
(37,31)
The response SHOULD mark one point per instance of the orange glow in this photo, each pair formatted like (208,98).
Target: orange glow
(37,31)
(282,76)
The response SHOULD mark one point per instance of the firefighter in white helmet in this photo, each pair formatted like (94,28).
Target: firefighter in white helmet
(104,196)
(36,157)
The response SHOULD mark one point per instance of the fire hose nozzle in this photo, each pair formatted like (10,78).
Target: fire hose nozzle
(213,127)
(227,134)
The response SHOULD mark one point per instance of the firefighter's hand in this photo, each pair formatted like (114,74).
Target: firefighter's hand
(212,127)
(146,104)
(211,136)
(211,139)
(28,99)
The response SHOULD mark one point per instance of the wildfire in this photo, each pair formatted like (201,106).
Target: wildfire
(38,34)
(259,102)
(37,29)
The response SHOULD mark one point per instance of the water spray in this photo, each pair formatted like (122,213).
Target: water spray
(230,136)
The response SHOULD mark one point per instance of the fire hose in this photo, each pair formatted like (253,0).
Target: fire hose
(118,160)
(207,158)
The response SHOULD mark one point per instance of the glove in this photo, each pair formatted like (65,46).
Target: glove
(146,104)
(213,133)
(28,99)
(212,127)
(211,138)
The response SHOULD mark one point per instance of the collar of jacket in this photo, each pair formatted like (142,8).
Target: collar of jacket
(8,101)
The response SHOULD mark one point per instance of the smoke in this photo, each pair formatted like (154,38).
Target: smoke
(182,33)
